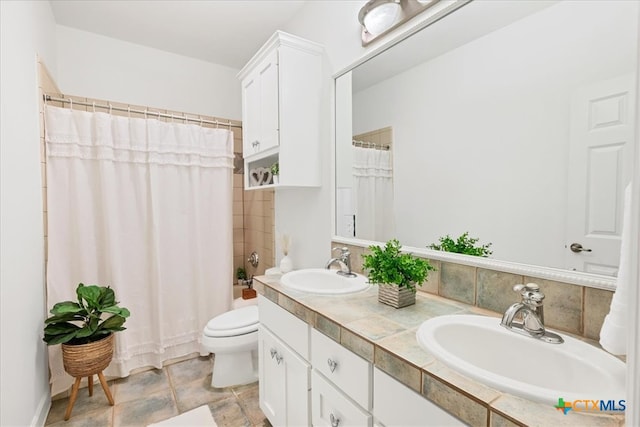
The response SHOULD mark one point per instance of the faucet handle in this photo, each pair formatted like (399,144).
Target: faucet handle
(530,293)
(343,250)
(529,287)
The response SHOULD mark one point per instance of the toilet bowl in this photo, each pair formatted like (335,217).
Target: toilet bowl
(233,338)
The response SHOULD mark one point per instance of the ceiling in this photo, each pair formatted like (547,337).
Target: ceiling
(225,32)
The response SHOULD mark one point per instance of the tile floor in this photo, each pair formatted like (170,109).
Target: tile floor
(156,395)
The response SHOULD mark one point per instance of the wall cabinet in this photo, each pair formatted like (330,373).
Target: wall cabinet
(281,92)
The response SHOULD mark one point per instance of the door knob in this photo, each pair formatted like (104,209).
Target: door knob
(577,248)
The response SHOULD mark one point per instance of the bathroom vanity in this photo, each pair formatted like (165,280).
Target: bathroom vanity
(307,378)
(348,360)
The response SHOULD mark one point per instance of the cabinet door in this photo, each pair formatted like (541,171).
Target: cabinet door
(284,382)
(269,102)
(250,113)
(272,378)
(260,112)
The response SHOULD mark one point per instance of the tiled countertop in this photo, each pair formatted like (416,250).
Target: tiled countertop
(386,337)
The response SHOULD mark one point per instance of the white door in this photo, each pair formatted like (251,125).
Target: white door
(599,170)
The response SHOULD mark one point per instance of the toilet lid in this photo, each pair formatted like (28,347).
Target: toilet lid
(235,322)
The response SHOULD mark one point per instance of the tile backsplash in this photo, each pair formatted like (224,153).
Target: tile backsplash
(576,309)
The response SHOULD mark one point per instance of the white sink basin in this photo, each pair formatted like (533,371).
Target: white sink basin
(478,347)
(323,281)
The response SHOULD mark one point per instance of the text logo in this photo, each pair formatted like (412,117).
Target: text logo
(587,405)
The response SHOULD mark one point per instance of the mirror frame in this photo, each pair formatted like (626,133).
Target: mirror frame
(548,273)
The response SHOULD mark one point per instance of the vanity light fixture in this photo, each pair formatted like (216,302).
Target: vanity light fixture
(378,17)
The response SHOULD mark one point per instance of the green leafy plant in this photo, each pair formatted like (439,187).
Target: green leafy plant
(275,168)
(462,245)
(81,322)
(241,273)
(389,266)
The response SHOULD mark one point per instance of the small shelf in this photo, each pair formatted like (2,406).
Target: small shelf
(257,172)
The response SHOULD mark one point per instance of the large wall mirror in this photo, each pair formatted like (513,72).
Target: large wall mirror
(510,120)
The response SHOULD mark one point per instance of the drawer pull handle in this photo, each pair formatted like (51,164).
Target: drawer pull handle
(335,421)
(278,358)
(332,364)
(273,352)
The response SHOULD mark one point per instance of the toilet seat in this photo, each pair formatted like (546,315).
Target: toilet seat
(233,323)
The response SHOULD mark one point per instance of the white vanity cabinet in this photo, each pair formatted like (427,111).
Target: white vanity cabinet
(395,404)
(281,91)
(284,378)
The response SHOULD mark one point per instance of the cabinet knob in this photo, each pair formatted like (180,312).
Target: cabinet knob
(278,358)
(332,364)
(273,352)
(335,421)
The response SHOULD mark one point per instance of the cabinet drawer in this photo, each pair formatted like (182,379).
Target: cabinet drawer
(349,372)
(331,408)
(286,326)
(395,404)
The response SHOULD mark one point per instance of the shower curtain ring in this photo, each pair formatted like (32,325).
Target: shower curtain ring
(70,103)
(110,108)
(94,107)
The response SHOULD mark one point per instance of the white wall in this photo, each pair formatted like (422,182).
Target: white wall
(481,133)
(307,214)
(95,66)
(27,29)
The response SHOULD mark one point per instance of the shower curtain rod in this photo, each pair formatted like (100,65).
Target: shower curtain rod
(145,112)
(367,144)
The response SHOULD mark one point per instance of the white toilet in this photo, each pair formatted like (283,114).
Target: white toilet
(233,338)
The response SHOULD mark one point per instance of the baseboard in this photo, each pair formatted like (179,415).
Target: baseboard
(40,417)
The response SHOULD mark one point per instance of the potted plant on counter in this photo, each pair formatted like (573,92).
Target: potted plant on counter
(396,274)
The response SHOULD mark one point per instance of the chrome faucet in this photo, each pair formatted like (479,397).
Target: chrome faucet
(344,261)
(531,311)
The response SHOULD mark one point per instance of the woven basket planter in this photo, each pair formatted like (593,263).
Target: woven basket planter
(396,296)
(84,360)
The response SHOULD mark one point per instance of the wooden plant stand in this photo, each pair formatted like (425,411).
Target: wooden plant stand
(86,360)
(76,386)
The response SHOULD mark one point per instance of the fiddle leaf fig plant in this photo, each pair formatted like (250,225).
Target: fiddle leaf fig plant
(462,245)
(83,321)
(389,266)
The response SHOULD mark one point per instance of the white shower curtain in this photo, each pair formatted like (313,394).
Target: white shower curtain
(145,207)
(373,194)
